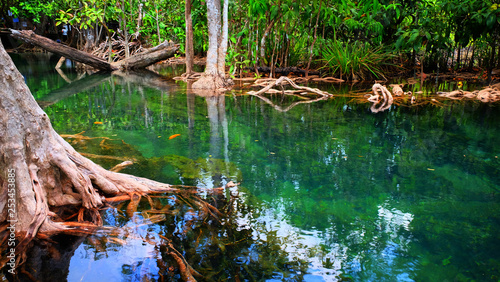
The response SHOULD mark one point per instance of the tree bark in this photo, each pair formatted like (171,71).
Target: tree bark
(141,60)
(264,36)
(157,23)
(39,170)
(123,20)
(214,76)
(213,22)
(223,37)
(189,38)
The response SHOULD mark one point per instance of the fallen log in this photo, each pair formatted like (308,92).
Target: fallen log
(138,61)
(142,60)
(69,52)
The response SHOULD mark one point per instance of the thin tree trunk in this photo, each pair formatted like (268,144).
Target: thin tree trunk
(189,38)
(125,30)
(314,40)
(157,23)
(273,63)
(221,62)
(139,19)
(491,63)
(471,62)
(264,36)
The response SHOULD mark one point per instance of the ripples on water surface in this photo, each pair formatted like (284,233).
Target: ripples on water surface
(329,191)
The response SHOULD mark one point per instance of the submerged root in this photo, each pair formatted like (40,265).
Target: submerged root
(189,76)
(187,272)
(195,216)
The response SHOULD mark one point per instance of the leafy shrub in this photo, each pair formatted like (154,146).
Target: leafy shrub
(355,60)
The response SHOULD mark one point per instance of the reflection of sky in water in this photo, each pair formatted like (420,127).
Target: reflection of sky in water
(326,259)
(297,243)
(387,253)
(132,261)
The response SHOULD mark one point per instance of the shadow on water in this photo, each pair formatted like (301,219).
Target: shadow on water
(329,191)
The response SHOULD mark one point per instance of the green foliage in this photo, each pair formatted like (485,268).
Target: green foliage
(282,32)
(355,60)
(34,10)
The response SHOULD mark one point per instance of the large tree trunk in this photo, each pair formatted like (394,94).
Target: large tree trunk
(141,60)
(215,77)
(39,170)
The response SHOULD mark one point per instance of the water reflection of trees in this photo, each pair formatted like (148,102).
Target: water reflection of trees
(339,178)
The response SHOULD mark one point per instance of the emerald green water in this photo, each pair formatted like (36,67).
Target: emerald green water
(328,191)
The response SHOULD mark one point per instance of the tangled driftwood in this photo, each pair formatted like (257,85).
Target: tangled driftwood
(380,94)
(116,49)
(487,95)
(271,82)
(301,91)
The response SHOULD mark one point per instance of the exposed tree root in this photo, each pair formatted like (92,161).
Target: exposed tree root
(282,80)
(121,166)
(213,82)
(328,79)
(299,93)
(380,94)
(382,98)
